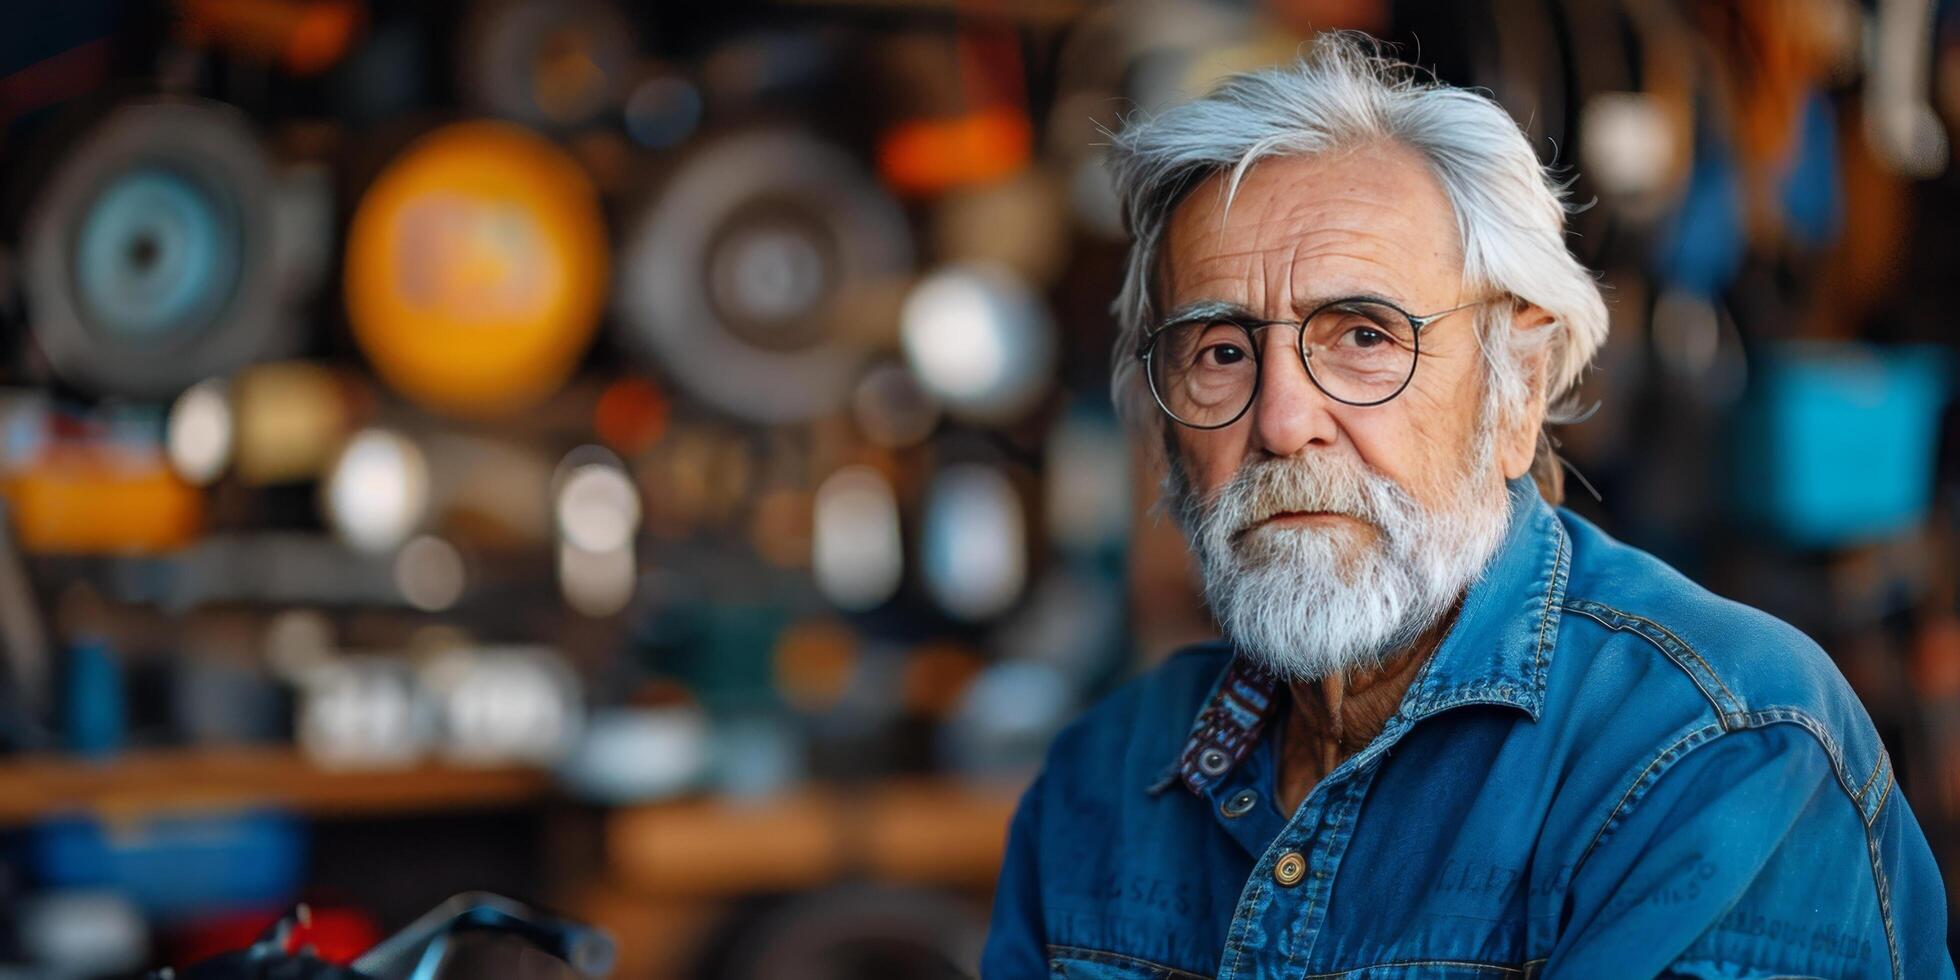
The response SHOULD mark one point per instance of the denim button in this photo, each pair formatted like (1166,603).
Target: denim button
(1240,804)
(1290,868)
(1211,762)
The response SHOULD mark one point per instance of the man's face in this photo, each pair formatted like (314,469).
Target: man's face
(1304,230)
(1331,534)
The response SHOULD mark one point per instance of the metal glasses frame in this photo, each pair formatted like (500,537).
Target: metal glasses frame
(1148,347)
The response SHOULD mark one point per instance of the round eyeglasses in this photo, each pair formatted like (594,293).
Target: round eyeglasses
(1360,350)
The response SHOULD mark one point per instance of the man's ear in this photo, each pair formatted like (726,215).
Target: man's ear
(1517,441)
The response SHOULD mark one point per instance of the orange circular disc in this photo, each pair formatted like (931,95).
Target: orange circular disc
(476,269)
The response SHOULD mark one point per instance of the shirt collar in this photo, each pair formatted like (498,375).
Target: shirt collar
(1497,652)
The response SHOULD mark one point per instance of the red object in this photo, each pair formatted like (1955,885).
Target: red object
(338,934)
(631,416)
(990,139)
(937,155)
(306,36)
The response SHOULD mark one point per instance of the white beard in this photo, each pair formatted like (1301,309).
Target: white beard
(1307,602)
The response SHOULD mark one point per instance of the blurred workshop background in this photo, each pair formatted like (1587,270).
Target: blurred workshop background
(658,463)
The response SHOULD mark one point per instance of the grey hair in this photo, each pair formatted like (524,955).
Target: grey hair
(1342,93)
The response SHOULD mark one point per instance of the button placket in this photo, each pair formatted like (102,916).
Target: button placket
(1241,802)
(1275,926)
(1330,845)
(1264,934)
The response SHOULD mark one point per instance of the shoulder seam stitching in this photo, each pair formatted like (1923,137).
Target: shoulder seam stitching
(1862,790)
(1589,609)
(1759,719)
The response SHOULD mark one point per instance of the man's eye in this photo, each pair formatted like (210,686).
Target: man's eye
(1365,337)
(1221,355)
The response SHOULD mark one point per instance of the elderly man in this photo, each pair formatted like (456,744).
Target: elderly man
(1451,731)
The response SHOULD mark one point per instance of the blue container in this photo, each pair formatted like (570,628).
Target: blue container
(93,709)
(175,867)
(1837,442)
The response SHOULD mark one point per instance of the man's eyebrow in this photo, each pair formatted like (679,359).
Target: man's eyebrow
(1209,309)
(1218,309)
(1305,305)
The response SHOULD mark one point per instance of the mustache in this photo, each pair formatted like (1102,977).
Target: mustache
(1267,488)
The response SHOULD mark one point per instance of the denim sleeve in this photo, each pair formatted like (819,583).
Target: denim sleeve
(1746,857)
(1015,944)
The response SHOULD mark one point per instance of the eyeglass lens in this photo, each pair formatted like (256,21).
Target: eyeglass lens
(1205,373)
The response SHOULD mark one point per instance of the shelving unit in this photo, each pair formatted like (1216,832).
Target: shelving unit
(919,830)
(162,781)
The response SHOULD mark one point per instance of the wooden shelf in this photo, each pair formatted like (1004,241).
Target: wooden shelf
(941,831)
(674,868)
(150,782)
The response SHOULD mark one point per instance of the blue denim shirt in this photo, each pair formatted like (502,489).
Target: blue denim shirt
(1604,770)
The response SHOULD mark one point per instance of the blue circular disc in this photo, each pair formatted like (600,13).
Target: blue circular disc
(157,255)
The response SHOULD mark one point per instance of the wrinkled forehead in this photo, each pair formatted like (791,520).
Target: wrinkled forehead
(1372,219)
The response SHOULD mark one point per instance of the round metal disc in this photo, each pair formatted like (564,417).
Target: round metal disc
(736,278)
(150,253)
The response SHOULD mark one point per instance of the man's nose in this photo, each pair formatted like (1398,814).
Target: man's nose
(1291,413)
